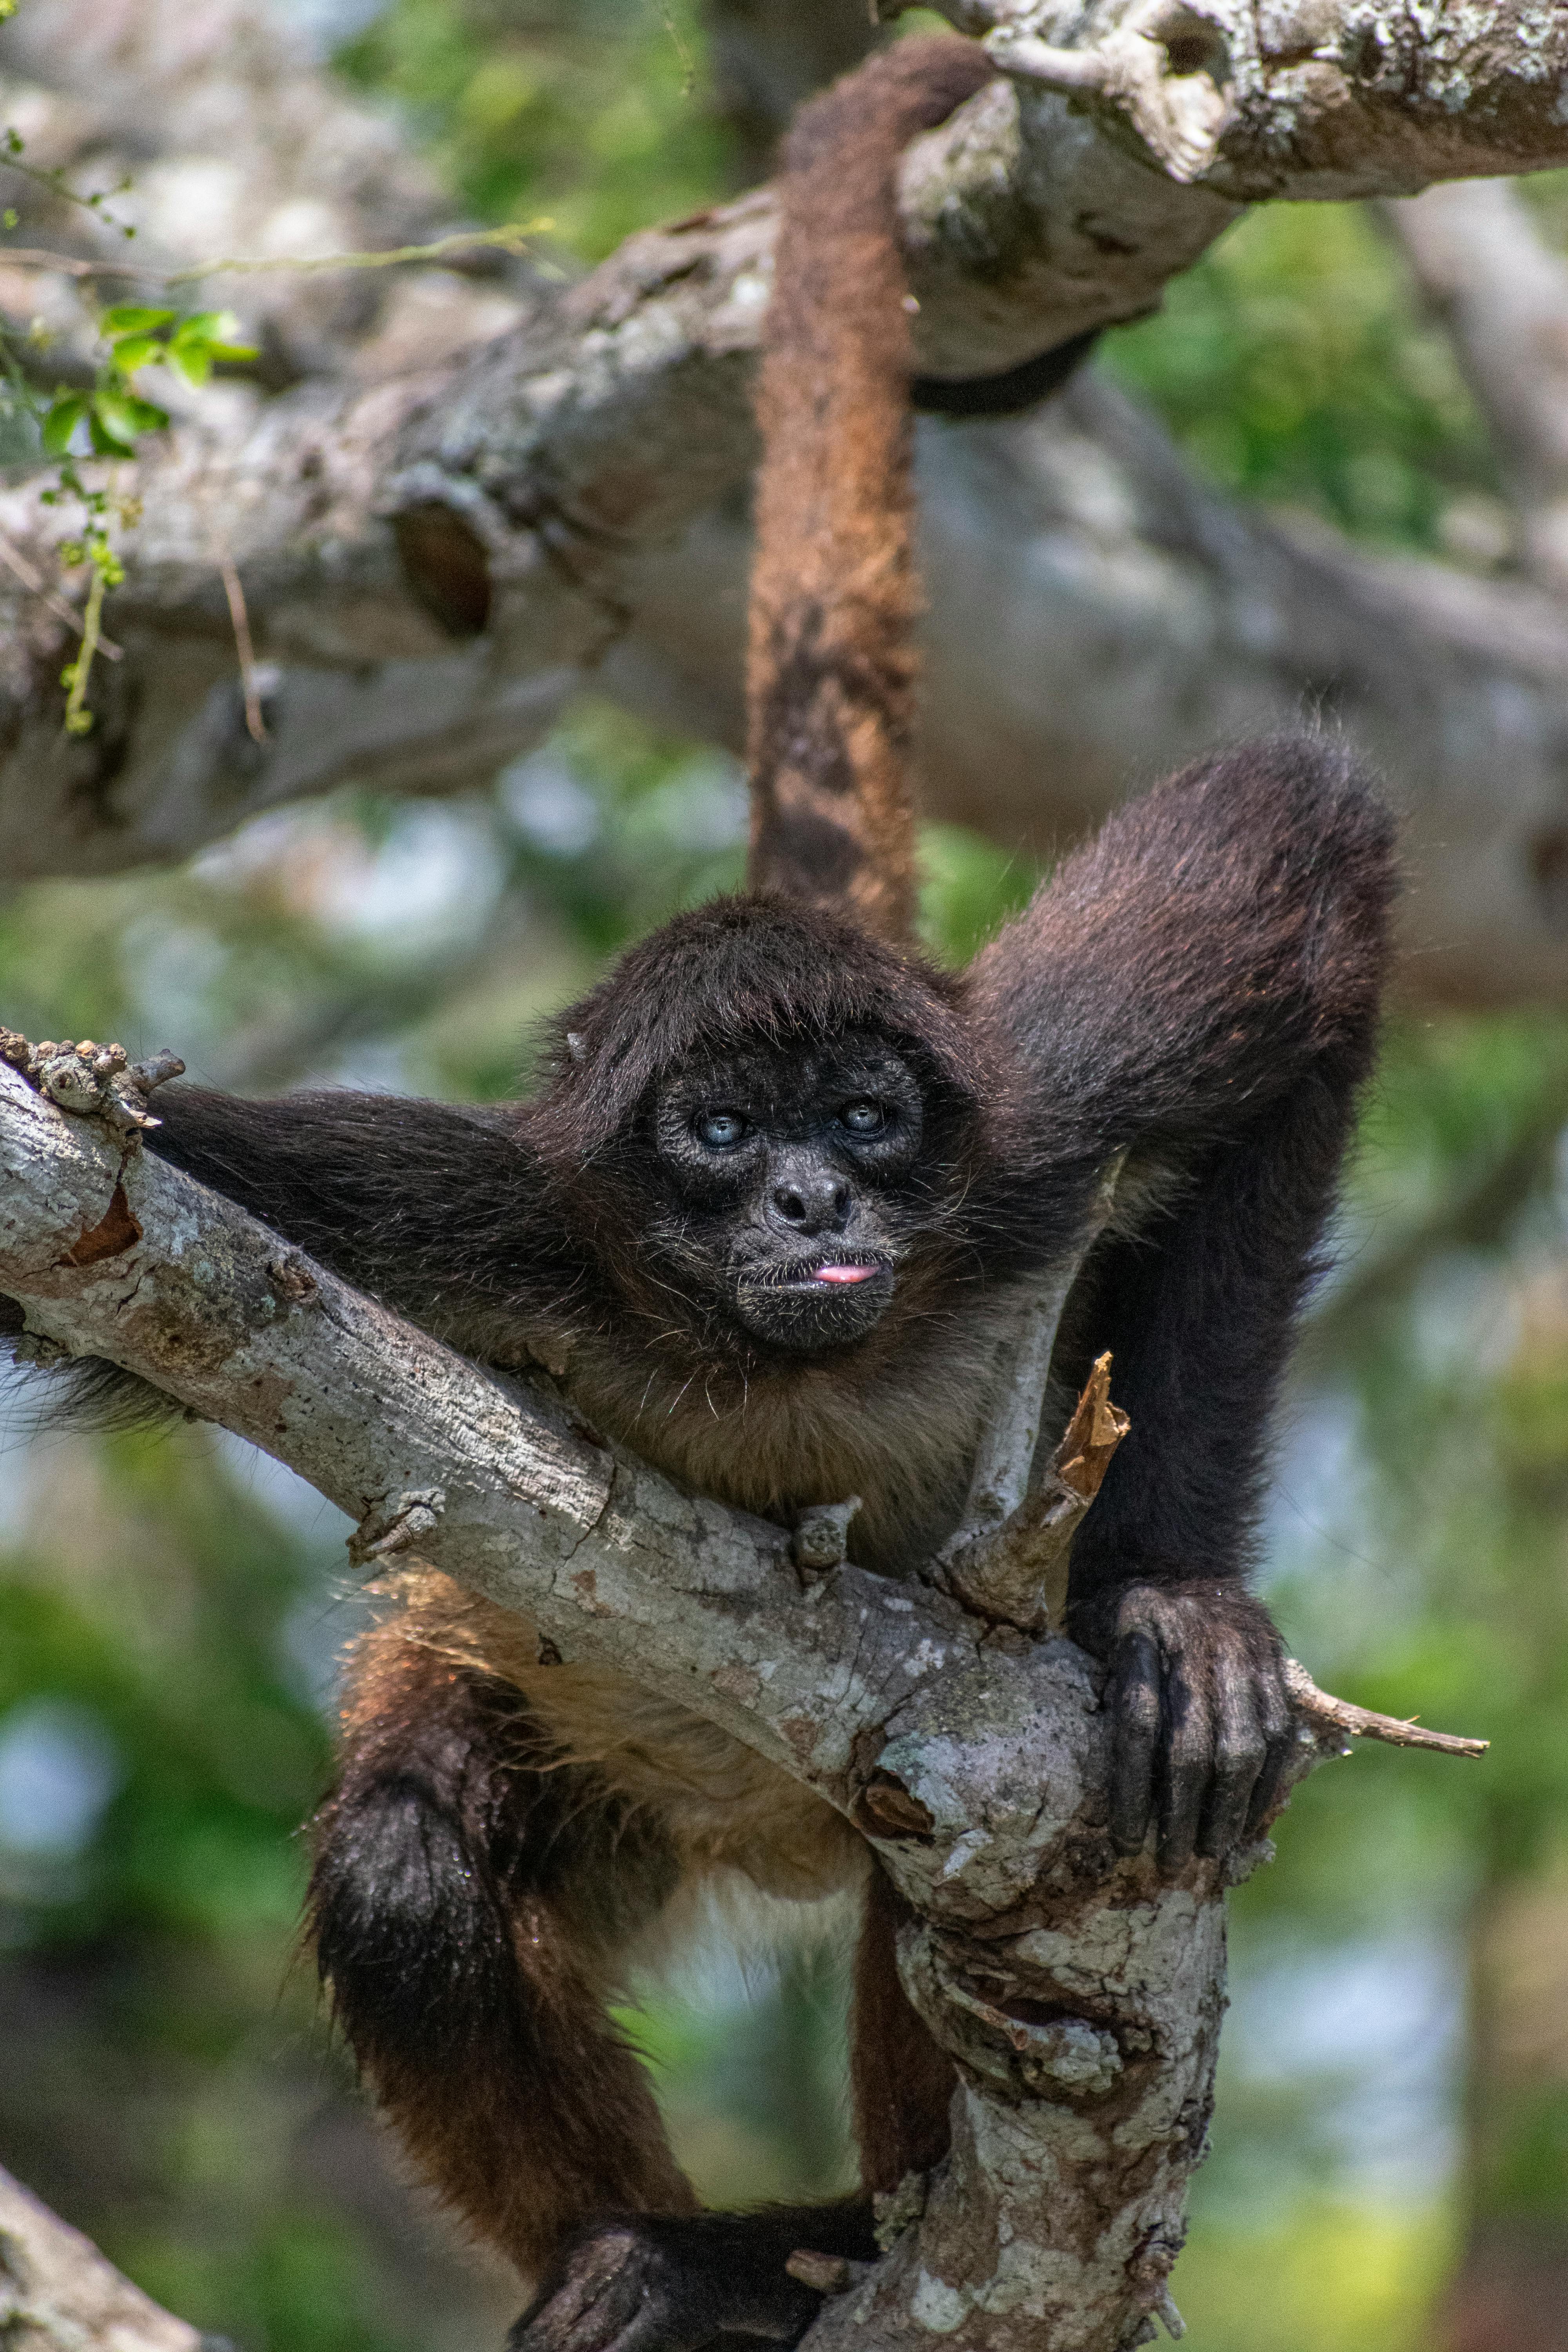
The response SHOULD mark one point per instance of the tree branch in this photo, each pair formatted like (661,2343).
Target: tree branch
(433,565)
(57,2294)
(1078,1994)
(1271,101)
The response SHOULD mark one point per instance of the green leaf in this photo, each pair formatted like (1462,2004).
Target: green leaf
(129,319)
(194,360)
(123,416)
(105,443)
(206,327)
(65,414)
(132,352)
(235,351)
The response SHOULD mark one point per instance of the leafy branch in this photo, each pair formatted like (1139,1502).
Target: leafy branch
(111,418)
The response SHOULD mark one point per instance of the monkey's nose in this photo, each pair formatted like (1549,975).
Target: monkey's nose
(812,1204)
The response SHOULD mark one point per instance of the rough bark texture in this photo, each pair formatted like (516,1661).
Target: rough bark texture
(58,2294)
(435,558)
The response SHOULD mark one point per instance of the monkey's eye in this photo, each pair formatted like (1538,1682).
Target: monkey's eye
(719,1129)
(864,1119)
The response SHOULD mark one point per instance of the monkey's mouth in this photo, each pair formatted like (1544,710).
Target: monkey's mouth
(819,1276)
(803,1304)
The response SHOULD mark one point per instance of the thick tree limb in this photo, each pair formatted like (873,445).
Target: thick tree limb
(433,565)
(1270,99)
(57,2294)
(1079,1994)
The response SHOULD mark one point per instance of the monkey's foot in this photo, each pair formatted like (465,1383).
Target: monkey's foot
(1201,1716)
(657,2283)
(89,1080)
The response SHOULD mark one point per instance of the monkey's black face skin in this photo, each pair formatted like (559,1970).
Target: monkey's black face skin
(794,1186)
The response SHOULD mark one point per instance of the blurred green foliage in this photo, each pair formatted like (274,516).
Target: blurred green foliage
(1294,367)
(591,111)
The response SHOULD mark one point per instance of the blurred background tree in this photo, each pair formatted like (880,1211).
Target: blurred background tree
(1391,2147)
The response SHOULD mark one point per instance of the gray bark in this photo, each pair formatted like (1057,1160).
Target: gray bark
(57,2294)
(1482,263)
(435,562)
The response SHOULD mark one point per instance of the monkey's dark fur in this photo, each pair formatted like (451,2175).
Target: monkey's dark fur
(771,1087)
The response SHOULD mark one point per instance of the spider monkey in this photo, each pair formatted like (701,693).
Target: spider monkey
(763,1220)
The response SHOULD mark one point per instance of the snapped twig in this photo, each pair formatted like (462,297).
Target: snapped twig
(1338,1715)
(1007,1560)
(511,237)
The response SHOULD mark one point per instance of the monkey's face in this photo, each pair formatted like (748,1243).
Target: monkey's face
(794,1186)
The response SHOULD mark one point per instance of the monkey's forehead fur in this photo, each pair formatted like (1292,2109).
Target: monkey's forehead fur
(753,971)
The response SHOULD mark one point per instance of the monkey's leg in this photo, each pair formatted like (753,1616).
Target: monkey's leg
(467,1908)
(718,2279)
(469,1903)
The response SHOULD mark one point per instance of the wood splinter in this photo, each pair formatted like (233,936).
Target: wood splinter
(1018,1574)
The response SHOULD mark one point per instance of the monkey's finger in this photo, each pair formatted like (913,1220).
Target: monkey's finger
(1189,1768)
(1238,1756)
(1279,1746)
(1135,1739)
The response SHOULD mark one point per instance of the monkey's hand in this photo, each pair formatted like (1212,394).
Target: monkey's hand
(676,2283)
(1201,1717)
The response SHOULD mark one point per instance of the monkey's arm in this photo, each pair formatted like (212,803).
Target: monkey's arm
(440,1211)
(443,1212)
(1200,990)
(1198,1312)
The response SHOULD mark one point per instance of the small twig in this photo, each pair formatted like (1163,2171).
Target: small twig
(829,2274)
(255,722)
(1044,62)
(33,579)
(1007,1560)
(54,180)
(511,239)
(79,718)
(1362,1723)
(687,64)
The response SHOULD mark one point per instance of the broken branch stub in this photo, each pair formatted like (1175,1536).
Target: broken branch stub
(1018,1574)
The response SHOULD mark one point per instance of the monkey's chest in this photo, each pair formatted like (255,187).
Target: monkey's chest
(902,1438)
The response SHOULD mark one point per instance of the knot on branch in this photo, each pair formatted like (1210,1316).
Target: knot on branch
(397,1523)
(91,1080)
(1166,68)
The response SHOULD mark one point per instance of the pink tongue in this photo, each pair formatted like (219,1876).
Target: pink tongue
(845,1273)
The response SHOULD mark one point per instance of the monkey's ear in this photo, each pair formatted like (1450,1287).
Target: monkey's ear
(576,1045)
